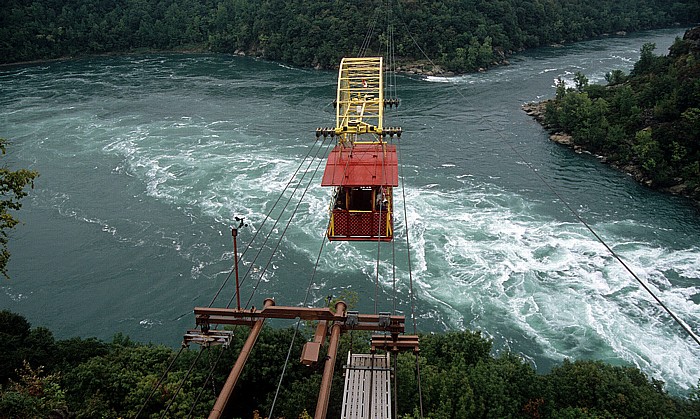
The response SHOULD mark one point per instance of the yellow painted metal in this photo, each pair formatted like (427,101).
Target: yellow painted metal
(360,120)
(360,99)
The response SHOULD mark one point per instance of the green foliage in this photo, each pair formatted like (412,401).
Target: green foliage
(21,343)
(615,77)
(604,390)
(33,395)
(462,36)
(650,118)
(459,378)
(12,184)
(581,81)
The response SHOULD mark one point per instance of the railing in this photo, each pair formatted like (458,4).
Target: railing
(360,225)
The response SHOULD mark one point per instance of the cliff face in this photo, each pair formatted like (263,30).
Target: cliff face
(692,38)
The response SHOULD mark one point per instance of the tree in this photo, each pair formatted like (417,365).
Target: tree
(34,395)
(581,81)
(646,61)
(615,77)
(12,187)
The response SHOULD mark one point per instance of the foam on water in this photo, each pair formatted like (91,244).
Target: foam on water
(156,172)
(492,260)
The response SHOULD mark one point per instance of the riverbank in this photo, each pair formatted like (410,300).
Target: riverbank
(537,111)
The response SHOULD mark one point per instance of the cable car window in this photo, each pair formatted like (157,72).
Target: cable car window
(360,199)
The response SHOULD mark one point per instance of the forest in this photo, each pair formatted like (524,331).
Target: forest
(458,35)
(461,377)
(647,122)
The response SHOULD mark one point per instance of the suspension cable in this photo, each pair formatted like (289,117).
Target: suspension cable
(368,37)
(412,295)
(408,247)
(272,229)
(204,385)
(393,276)
(379,199)
(267,216)
(575,213)
(182,383)
(296,329)
(160,381)
(284,231)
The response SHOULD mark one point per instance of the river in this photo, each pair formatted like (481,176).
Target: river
(145,160)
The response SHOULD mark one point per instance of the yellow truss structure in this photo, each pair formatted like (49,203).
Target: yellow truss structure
(360,98)
(360,102)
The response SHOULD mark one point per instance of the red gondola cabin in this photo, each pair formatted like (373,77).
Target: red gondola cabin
(363,176)
(363,167)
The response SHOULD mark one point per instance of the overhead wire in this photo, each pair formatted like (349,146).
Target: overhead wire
(206,381)
(368,37)
(182,383)
(380,224)
(289,221)
(575,213)
(260,228)
(298,323)
(268,215)
(412,296)
(160,381)
(363,51)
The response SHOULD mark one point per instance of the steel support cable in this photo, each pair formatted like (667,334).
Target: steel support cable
(267,216)
(160,381)
(296,329)
(379,234)
(410,270)
(391,56)
(408,248)
(386,53)
(248,271)
(376,278)
(284,231)
(393,274)
(287,226)
(368,37)
(182,383)
(393,94)
(410,277)
(206,381)
(575,213)
(272,229)
(308,290)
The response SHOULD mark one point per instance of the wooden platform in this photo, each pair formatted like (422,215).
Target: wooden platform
(367,387)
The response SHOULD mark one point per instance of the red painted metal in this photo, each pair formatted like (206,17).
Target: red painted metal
(212,315)
(327,378)
(228,387)
(309,354)
(360,226)
(362,165)
(234,233)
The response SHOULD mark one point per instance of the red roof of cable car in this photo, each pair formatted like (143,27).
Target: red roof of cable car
(362,165)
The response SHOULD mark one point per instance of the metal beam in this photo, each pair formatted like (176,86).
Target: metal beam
(395,343)
(327,379)
(210,315)
(227,390)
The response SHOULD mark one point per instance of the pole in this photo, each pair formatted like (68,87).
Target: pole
(326,381)
(234,233)
(227,389)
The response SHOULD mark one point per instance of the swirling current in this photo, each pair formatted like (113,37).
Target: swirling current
(145,160)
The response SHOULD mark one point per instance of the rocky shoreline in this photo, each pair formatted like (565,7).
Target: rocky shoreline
(537,110)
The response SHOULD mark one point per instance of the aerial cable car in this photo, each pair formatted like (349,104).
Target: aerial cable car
(362,167)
